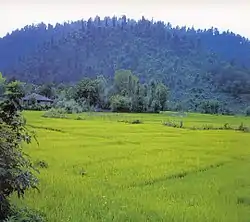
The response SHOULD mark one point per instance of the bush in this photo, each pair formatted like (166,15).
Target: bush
(55,113)
(36,106)
(174,124)
(82,172)
(208,127)
(137,121)
(25,215)
(243,128)
(227,126)
(41,164)
(79,118)
(71,106)
(120,103)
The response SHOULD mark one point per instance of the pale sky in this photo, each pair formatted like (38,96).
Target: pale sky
(222,14)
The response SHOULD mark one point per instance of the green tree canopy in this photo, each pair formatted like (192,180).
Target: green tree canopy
(16,174)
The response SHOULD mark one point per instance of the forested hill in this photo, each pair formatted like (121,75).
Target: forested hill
(201,62)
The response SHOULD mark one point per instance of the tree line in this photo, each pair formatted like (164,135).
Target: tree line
(123,93)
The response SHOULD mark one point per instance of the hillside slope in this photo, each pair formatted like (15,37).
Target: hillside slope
(193,63)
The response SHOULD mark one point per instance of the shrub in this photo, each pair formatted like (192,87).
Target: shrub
(208,127)
(37,107)
(55,113)
(80,118)
(41,164)
(243,128)
(243,200)
(227,126)
(25,215)
(120,103)
(71,105)
(82,172)
(137,121)
(174,124)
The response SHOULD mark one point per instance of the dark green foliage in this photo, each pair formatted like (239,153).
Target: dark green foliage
(46,90)
(243,128)
(87,90)
(79,118)
(123,93)
(25,215)
(176,107)
(226,126)
(125,82)
(36,107)
(41,164)
(196,65)
(247,112)
(16,172)
(210,107)
(131,96)
(174,124)
(208,127)
(243,200)
(161,95)
(2,86)
(71,106)
(82,172)
(119,103)
(55,113)
(137,121)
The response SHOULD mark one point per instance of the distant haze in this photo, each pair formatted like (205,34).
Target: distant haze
(224,15)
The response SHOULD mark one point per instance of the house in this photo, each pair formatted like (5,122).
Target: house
(36,99)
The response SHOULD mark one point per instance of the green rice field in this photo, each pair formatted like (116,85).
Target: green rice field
(102,168)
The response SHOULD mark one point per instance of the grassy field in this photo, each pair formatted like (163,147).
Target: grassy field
(102,169)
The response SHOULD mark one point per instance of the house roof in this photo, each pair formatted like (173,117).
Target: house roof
(37,97)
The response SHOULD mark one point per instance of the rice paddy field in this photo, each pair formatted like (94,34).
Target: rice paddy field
(102,168)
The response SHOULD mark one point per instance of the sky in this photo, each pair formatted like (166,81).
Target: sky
(223,14)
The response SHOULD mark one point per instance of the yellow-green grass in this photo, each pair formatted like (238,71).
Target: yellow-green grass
(140,172)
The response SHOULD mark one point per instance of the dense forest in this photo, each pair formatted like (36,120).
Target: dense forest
(196,66)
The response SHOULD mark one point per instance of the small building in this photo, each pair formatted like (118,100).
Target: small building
(36,99)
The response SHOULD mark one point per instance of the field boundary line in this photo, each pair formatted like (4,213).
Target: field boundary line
(180,175)
(46,128)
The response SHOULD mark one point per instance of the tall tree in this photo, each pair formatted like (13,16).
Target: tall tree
(87,89)
(161,94)
(16,174)
(125,82)
(46,90)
